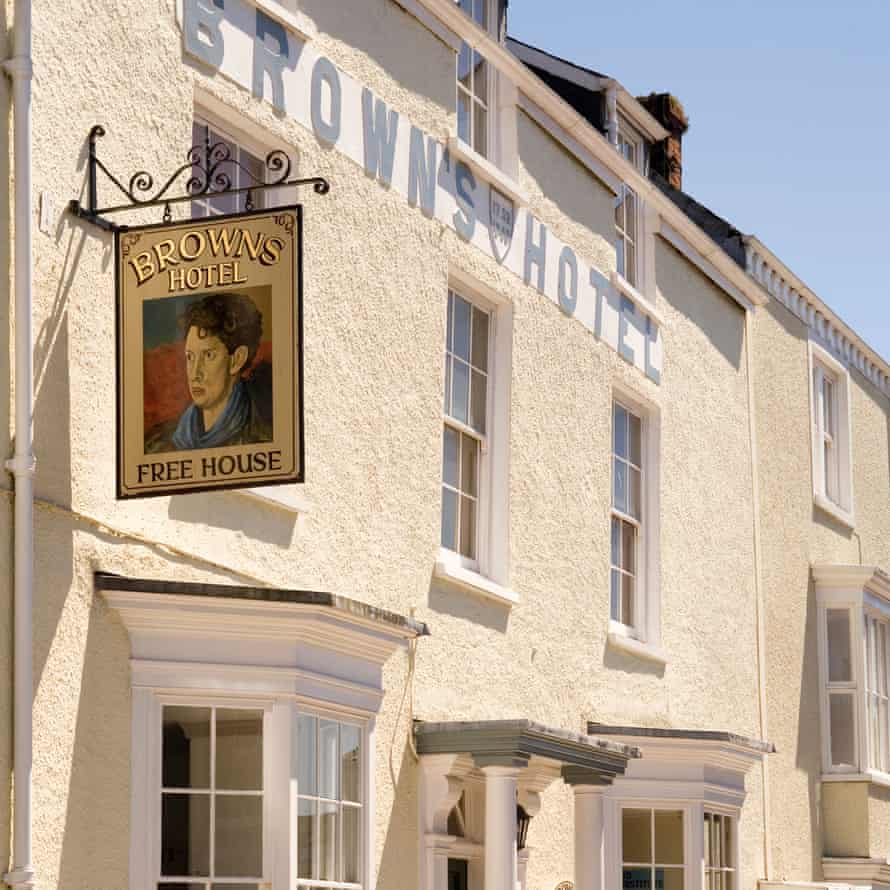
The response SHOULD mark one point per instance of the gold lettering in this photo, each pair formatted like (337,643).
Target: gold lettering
(177,279)
(252,249)
(236,272)
(164,251)
(200,245)
(143,267)
(193,281)
(271,251)
(220,238)
(225,273)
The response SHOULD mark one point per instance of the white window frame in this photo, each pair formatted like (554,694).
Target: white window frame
(489,574)
(823,365)
(279,781)
(644,637)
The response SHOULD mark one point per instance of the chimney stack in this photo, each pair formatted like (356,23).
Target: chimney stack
(666,158)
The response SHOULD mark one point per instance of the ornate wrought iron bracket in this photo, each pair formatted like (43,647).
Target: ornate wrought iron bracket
(209,168)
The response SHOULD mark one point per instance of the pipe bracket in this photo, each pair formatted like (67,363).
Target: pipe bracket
(20,878)
(18,67)
(22,465)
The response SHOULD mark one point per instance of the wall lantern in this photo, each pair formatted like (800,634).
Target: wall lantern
(522,820)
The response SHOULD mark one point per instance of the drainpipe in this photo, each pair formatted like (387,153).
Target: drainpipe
(759,596)
(22,464)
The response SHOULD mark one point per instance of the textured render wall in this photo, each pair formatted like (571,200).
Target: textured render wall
(375,297)
(795,535)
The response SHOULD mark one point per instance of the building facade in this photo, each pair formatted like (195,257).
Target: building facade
(584,582)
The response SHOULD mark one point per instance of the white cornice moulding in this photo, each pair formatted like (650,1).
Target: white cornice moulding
(854,579)
(857,870)
(765,268)
(579,128)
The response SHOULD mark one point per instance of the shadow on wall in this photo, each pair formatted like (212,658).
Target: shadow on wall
(95,843)
(395,40)
(808,756)
(399,867)
(720,319)
(468,607)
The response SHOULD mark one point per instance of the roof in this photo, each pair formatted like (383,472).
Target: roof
(698,735)
(110,582)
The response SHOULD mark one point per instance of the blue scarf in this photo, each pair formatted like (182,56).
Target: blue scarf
(190,431)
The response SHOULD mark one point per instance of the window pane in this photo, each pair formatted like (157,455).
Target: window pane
(239,750)
(828,406)
(478,405)
(305,837)
(636,835)
(451,457)
(726,842)
(186,748)
(306,754)
(636,452)
(463,116)
(461,345)
(630,215)
(616,541)
(635,495)
(839,664)
(480,340)
(480,78)
(468,528)
(327,841)
(669,837)
(239,836)
(709,828)
(616,595)
(619,431)
(841,723)
(185,834)
(352,844)
(449,519)
(619,495)
(447,407)
(460,389)
(351,760)
(620,264)
(480,129)
(468,464)
(637,879)
(669,878)
(627,599)
(630,263)
(464,66)
(628,548)
(328,784)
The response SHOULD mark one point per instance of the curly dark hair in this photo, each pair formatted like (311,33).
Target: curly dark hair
(233,318)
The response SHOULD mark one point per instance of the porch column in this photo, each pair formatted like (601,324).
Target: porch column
(589,827)
(500,826)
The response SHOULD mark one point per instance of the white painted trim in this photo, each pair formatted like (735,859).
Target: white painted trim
(872,776)
(632,646)
(844,511)
(447,568)
(577,126)
(681,245)
(570,144)
(624,287)
(431,23)
(487,170)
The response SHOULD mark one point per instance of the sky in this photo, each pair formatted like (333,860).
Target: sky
(789,110)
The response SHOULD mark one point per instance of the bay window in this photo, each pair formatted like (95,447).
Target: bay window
(652,849)
(720,869)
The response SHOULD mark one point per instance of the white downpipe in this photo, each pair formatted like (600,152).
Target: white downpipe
(612,112)
(22,465)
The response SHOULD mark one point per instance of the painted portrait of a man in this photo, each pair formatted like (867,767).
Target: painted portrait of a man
(219,336)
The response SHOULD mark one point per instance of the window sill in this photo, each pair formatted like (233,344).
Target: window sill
(447,570)
(488,171)
(872,776)
(625,288)
(618,639)
(283,497)
(832,509)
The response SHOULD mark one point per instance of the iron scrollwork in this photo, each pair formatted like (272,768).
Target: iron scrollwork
(209,168)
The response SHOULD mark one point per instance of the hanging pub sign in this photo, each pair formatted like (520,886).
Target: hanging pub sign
(209,341)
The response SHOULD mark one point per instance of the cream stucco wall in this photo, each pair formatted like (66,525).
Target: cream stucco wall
(796,534)
(377,274)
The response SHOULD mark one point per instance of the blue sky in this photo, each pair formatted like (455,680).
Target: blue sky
(789,108)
